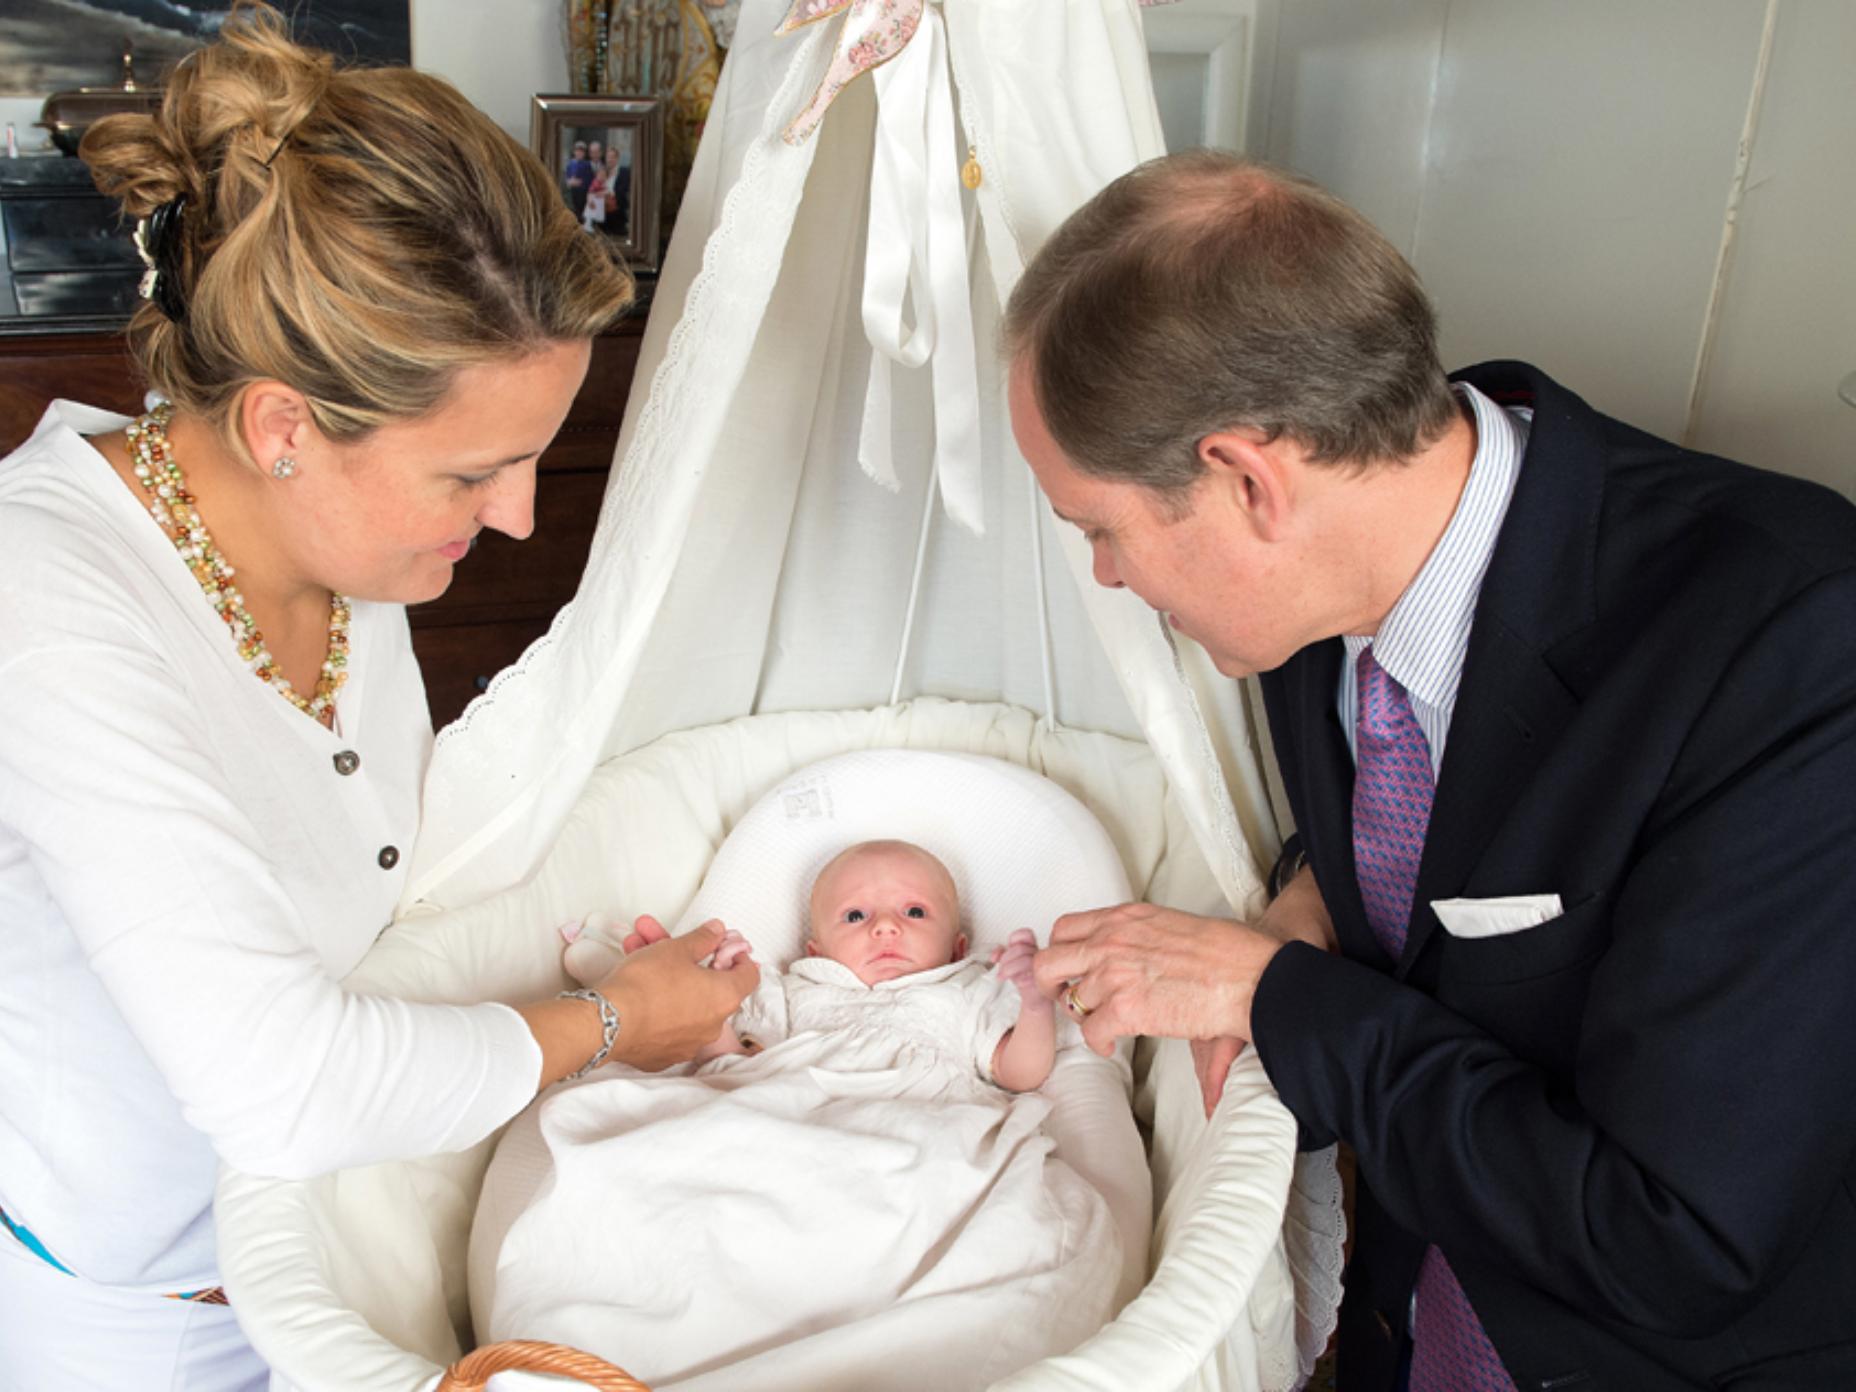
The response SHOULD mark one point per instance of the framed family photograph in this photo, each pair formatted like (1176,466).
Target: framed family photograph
(607,156)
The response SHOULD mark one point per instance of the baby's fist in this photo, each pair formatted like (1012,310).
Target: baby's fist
(732,949)
(1014,963)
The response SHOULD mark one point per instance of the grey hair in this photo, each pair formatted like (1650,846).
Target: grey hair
(1203,291)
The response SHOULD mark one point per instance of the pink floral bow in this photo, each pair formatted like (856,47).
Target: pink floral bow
(874,31)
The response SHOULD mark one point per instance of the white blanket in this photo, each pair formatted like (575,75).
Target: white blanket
(854,1208)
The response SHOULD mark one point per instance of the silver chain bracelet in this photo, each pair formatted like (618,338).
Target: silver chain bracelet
(609,1028)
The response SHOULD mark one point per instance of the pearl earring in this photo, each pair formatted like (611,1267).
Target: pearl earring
(283,468)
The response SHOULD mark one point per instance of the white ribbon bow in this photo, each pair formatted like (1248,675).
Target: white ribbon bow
(915,266)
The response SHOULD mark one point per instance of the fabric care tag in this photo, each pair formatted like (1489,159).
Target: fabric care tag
(807,802)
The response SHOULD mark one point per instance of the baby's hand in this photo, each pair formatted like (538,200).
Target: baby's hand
(1013,962)
(732,948)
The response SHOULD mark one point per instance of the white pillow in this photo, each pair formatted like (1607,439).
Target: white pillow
(1021,850)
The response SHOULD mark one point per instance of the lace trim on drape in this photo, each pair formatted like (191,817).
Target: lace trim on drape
(754,203)
(1314,1229)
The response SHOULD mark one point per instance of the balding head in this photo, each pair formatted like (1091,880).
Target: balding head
(1201,292)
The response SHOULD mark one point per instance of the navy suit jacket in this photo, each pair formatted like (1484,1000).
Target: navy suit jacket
(1630,1129)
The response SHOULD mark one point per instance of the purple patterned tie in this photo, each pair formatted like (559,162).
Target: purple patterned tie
(1391,810)
(1391,802)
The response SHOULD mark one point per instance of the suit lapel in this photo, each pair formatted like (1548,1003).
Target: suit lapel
(1512,705)
(1511,709)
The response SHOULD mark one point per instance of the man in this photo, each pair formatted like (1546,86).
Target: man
(577,177)
(1567,719)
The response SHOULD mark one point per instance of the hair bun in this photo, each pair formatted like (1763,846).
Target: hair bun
(226,111)
(357,234)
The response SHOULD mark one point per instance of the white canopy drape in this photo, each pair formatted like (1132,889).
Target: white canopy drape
(745,560)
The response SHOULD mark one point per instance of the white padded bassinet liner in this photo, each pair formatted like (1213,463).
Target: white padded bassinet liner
(1022,852)
(355,1282)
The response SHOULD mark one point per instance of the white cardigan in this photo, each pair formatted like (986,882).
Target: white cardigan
(185,876)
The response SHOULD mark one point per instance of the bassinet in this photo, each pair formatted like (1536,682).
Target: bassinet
(743,565)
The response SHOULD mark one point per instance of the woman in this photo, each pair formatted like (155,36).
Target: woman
(618,179)
(370,310)
(607,203)
(593,216)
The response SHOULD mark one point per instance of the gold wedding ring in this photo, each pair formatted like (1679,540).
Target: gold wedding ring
(1074,1002)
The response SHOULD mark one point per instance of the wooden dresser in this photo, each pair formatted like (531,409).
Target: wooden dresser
(505,593)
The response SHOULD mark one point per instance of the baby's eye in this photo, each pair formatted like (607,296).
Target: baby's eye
(853,915)
(917,911)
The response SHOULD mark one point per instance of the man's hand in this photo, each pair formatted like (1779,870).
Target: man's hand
(669,1006)
(1299,914)
(1211,1063)
(1142,969)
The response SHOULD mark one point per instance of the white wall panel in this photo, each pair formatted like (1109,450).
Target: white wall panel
(1350,89)
(1559,173)
(498,52)
(1179,94)
(1786,327)
(1202,57)
(1579,163)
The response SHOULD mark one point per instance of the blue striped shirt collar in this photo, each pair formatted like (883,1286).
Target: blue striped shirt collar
(1425,637)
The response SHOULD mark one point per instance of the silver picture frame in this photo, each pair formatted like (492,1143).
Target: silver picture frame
(621,198)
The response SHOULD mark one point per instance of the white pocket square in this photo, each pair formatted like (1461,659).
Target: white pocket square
(1493,918)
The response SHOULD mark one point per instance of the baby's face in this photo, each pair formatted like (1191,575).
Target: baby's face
(886,909)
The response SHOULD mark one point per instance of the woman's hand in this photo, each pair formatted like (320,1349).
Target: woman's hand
(670,1006)
(645,931)
(733,948)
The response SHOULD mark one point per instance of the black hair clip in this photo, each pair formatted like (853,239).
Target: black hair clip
(158,242)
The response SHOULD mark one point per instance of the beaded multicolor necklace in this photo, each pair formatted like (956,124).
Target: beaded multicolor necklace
(173,506)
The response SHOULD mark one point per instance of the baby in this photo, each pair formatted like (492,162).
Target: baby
(884,910)
(838,1195)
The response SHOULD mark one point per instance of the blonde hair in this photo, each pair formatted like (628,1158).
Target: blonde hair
(360,235)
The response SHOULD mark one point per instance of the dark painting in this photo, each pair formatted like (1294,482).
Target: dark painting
(53,45)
